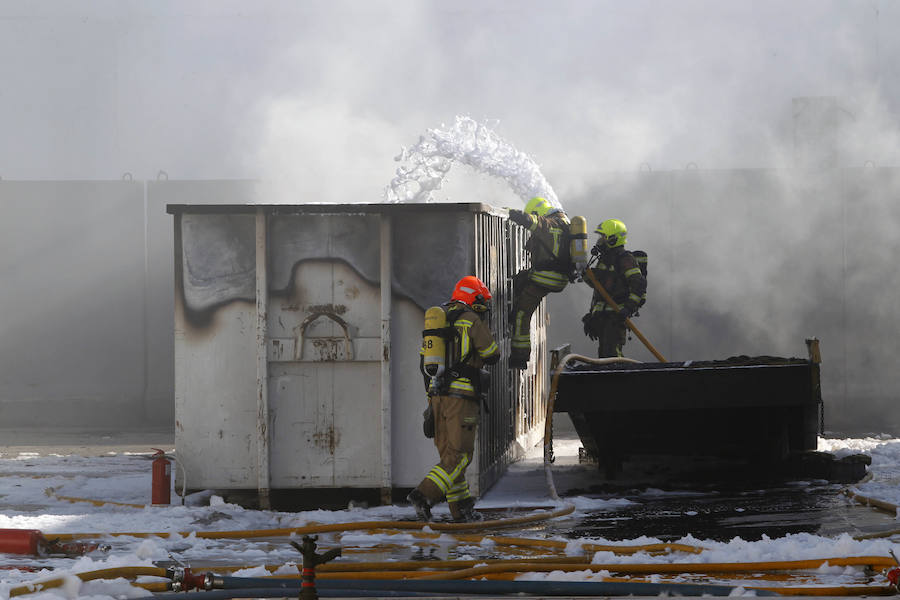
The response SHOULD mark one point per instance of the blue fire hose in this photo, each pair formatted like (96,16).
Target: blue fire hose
(242,586)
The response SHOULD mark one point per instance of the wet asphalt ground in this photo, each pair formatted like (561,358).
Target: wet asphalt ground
(673,497)
(724,504)
(725,514)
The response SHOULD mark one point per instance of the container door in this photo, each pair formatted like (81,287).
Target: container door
(324,379)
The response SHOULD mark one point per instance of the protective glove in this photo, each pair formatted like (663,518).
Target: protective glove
(625,312)
(517,216)
(428,422)
(586,319)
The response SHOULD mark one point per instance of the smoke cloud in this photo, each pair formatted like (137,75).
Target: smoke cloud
(750,147)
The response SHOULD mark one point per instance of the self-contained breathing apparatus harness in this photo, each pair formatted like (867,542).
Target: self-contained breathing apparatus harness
(640,257)
(572,256)
(559,261)
(440,385)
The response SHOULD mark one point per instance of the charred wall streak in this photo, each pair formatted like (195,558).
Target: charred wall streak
(216,266)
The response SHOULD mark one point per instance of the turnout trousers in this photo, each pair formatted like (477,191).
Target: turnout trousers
(610,329)
(527,297)
(455,426)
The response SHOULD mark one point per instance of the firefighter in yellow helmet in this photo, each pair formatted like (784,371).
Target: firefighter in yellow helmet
(455,399)
(549,272)
(620,274)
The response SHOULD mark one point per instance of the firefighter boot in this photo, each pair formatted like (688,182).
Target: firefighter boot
(421,504)
(518,361)
(464,511)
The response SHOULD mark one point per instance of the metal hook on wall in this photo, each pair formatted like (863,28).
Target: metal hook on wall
(126,176)
(162,175)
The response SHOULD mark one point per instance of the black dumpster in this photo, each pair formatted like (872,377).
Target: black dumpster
(759,409)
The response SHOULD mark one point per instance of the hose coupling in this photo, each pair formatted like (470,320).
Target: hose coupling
(185,580)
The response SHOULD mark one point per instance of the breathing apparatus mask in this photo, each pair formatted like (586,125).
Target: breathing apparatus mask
(482,307)
(600,246)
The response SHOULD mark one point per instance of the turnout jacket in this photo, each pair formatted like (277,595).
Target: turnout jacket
(619,274)
(476,348)
(549,249)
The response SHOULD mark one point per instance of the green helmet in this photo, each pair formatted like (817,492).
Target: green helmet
(538,206)
(613,232)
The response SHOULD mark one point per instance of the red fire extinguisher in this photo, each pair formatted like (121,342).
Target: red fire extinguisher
(22,541)
(32,542)
(161,488)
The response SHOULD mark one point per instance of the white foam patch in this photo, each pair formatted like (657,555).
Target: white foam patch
(466,142)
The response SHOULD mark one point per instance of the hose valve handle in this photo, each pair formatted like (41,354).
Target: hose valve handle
(310,561)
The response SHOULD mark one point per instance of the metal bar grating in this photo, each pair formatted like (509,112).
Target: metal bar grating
(516,399)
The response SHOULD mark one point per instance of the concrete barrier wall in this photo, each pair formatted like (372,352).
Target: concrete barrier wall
(87,301)
(741,262)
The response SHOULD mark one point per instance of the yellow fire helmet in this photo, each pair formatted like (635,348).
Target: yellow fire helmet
(613,232)
(538,206)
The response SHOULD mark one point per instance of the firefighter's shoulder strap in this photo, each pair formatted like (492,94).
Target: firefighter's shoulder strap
(460,365)
(451,336)
(461,368)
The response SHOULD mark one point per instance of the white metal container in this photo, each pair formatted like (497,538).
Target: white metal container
(297,370)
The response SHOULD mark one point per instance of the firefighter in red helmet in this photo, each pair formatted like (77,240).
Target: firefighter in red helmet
(455,398)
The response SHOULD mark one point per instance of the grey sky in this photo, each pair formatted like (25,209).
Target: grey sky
(313,92)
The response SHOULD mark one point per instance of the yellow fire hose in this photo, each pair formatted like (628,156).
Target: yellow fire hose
(387,527)
(887,507)
(658,548)
(332,527)
(126,572)
(503,569)
(385,566)
(51,492)
(873,502)
(665,568)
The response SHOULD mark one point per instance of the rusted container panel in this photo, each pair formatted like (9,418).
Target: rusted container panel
(313,381)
